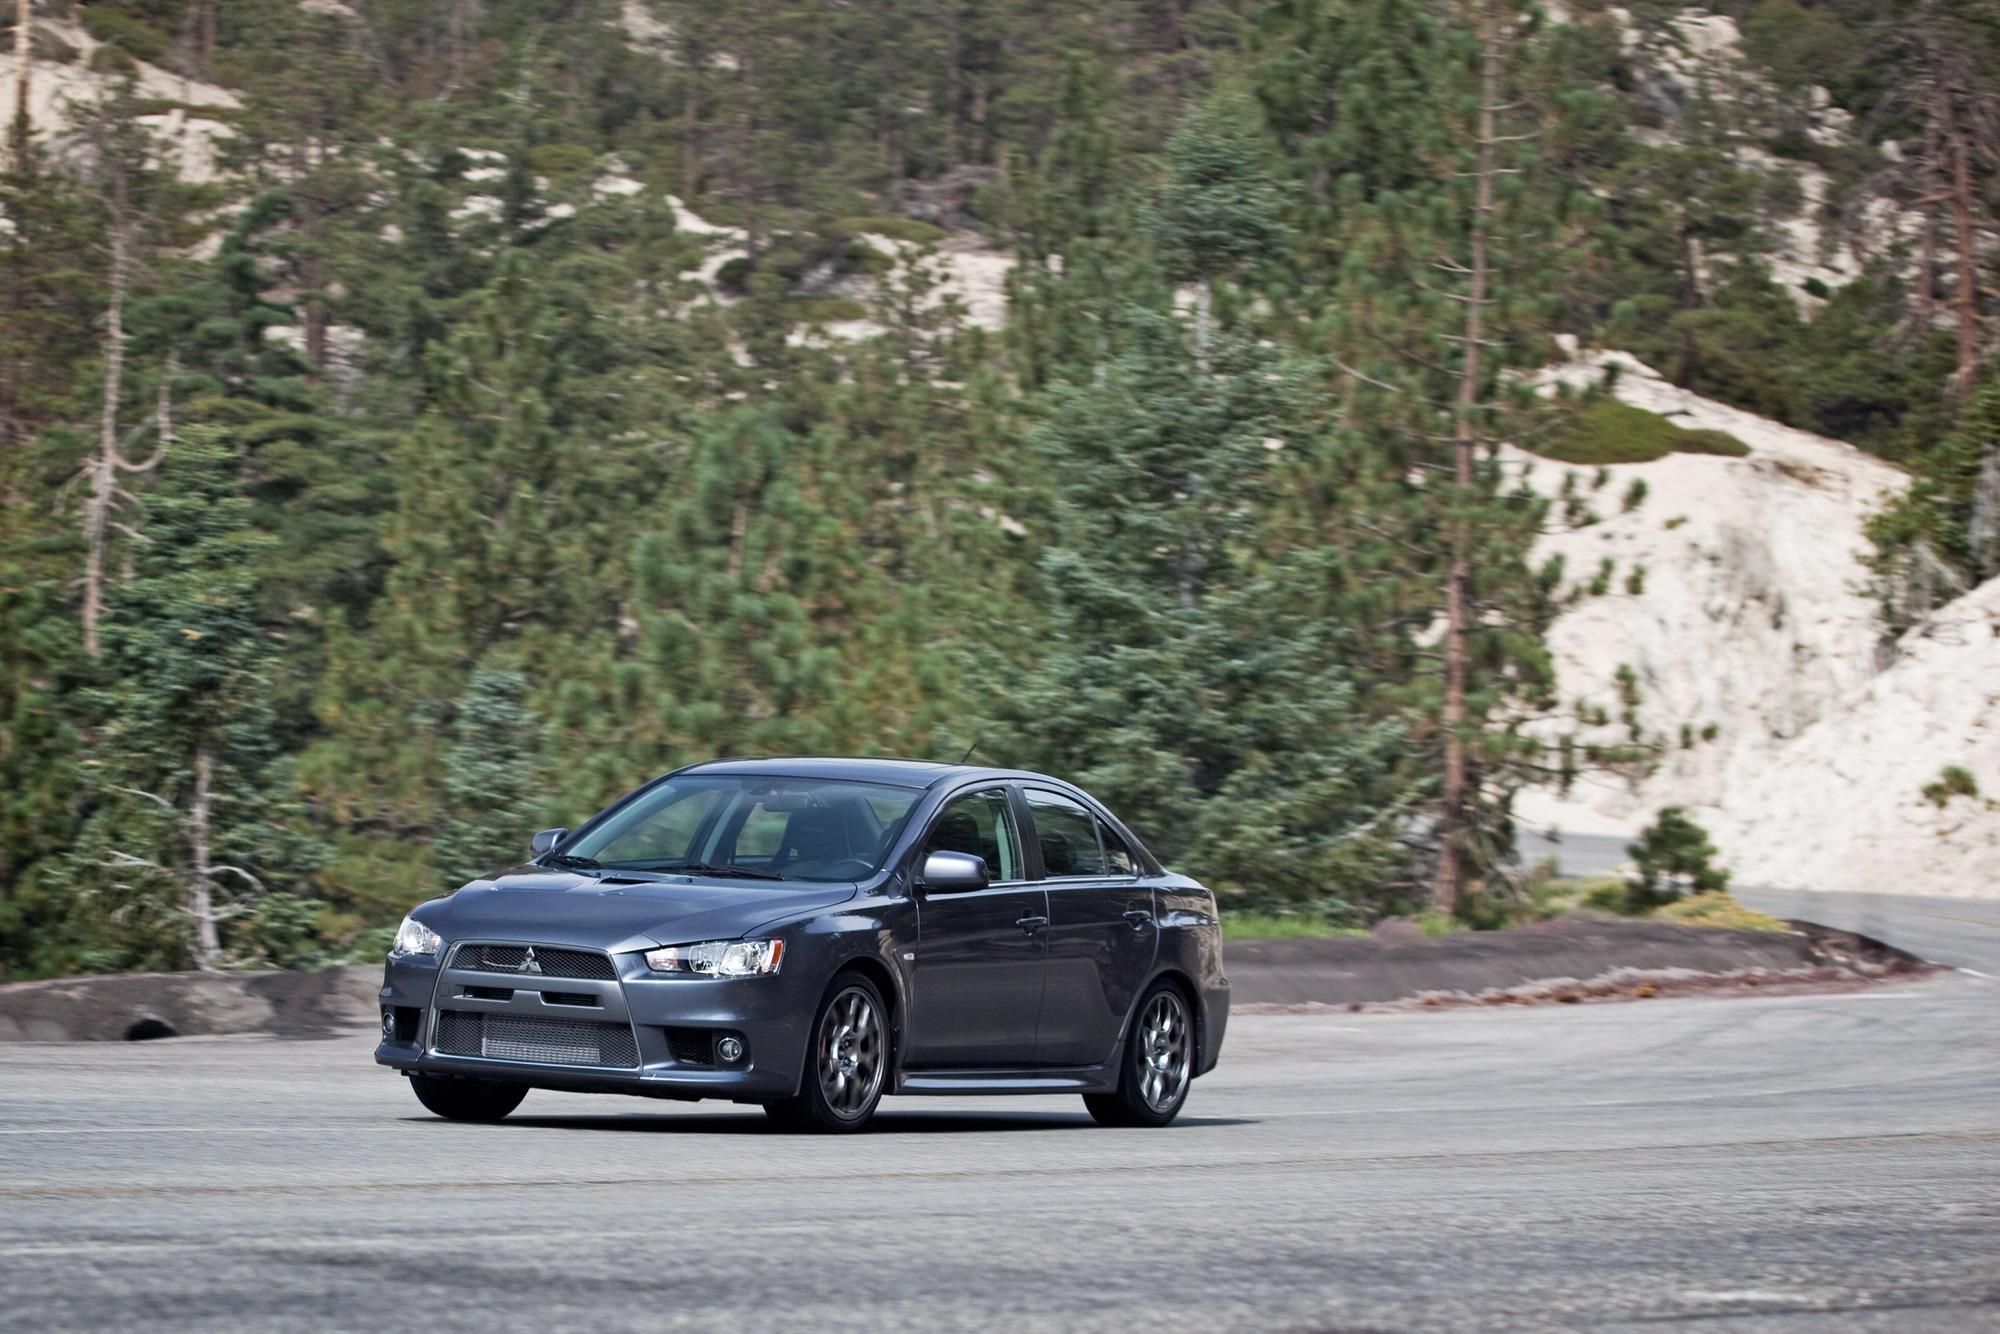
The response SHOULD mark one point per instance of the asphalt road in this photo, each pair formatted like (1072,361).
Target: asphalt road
(1777,1163)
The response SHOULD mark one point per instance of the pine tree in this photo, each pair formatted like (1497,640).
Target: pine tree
(1942,537)
(1437,296)
(492,784)
(182,760)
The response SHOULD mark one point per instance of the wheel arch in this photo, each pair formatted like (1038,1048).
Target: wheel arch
(891,988)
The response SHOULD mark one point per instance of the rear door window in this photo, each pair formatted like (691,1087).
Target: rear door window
(1118,859)
(1066,834)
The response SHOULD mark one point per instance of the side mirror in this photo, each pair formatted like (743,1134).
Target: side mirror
(547,839)
(954,873)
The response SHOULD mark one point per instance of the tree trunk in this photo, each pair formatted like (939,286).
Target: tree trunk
(24,43)
(201,901)
(1456,796)
(457,43)
(954,83)
(104,468)
(978,146)
(1966,303)
(1926,279)
(691,127)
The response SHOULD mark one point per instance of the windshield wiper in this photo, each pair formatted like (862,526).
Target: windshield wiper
(703,868)
(573,862)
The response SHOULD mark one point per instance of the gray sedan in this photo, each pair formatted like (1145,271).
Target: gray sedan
(809,935)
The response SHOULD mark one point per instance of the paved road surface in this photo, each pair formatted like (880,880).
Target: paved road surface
(1778,1163)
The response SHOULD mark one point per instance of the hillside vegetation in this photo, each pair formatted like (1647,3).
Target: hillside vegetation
(421,421)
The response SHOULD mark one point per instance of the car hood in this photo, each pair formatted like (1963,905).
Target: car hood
(617,911)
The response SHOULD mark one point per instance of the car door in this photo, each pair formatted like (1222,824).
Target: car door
(1102,936)
(976,982)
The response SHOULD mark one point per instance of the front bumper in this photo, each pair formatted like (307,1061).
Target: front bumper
(431,1003)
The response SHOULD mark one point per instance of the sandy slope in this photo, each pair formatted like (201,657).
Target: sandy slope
(1753,624)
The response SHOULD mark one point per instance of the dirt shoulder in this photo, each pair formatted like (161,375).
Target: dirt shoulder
(1569,960)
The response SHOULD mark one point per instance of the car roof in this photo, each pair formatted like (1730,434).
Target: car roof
(859,769)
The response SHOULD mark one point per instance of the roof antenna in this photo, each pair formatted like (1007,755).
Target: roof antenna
(968,751)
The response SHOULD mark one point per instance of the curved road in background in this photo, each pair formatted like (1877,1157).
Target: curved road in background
(1777,1163)
(1964,933)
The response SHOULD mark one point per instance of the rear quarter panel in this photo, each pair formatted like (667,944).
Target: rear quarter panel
(1191,944)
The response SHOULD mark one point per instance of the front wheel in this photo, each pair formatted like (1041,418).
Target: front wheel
(1158,1067)
(846,1065)
(467,1099)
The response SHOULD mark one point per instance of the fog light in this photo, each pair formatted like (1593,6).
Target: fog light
(730,1050)
(388,1022)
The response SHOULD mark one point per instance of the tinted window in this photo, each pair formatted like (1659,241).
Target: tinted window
(800,828)
(1118,859)
(983,825)
(1067,834)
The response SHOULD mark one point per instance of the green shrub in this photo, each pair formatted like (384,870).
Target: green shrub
(1635,494)
(1953,780)
(1715,907)
(864,258)
(285,931)
(561,159)
(1673,857)
(1435,923)
(1608,431)
(826,309)
(1281,926)
(734,275)
(112,60)
(124,30)
(1605,895)
(50,49)
(896,229)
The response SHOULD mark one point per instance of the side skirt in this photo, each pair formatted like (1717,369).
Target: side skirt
(1043,1079)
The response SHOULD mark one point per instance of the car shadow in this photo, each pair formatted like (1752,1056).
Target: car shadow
(884,1123)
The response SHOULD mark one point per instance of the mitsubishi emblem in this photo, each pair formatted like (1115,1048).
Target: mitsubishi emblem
(529,964)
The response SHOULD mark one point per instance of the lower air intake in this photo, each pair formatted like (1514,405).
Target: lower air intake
(506,1037)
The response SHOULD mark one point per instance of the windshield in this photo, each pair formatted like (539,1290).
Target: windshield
(759,828)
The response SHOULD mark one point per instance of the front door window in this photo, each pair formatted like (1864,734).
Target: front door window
(983,825)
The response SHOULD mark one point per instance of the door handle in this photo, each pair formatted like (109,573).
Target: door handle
(1139,918)
(1031,924)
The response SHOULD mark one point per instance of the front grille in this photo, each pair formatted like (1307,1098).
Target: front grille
(553,962)
(507,1037)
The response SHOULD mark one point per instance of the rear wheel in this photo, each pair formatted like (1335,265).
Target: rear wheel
(846,1065)
(1158,1067)
(467,1099)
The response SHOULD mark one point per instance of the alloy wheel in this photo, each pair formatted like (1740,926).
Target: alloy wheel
(1163,1051)
(850,1052)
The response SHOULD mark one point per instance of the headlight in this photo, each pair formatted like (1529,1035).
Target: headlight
(719,958)
(413,937)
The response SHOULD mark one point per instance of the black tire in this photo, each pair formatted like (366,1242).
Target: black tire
(1157,1068)
(847,1064)
(467,1099)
